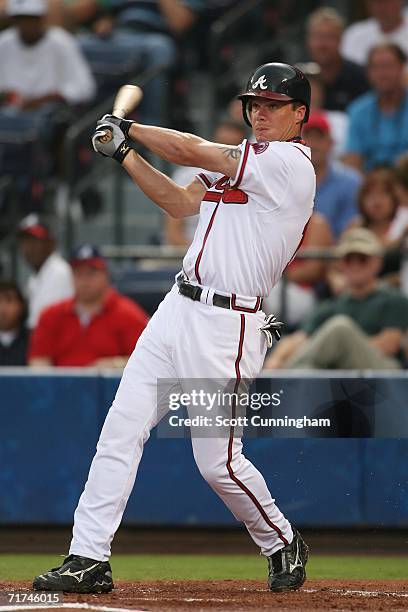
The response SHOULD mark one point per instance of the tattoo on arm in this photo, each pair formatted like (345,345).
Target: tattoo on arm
(233,152)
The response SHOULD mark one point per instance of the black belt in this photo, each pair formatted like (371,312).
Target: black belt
(194,293)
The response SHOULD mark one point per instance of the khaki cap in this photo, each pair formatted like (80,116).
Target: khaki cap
(359,240)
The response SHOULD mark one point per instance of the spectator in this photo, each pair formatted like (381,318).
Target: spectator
(336,185)
(148,31)
(40,65)
(399,227)
(97,327)
(378,129)
(338,120)
(388,23)
(301,277)
(362,328)
(180,232)
(378,205)
(13,332)
(343,79)
(51,280)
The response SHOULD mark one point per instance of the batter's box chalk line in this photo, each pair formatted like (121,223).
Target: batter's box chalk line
(355,592)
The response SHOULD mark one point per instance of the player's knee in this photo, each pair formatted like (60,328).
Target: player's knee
(212,473)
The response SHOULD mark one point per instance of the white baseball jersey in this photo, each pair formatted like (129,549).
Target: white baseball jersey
(251,226)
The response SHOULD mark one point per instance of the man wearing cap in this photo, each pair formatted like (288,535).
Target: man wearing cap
(336,184)
(51,279)
(362,328)
(97,327)
(40,65)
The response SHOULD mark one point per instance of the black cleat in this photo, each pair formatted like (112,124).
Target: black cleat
(77,575)
(287,566)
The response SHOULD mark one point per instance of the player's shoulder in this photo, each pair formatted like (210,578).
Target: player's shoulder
(280,148)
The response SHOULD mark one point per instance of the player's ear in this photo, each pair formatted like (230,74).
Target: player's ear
(300,112)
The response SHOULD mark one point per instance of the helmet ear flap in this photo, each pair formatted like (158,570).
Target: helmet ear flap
(245,103)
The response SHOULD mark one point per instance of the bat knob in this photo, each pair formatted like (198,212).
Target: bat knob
(106,137)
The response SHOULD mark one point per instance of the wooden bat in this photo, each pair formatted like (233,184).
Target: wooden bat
(127,98)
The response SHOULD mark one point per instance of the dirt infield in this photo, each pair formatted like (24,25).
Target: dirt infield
(237,596)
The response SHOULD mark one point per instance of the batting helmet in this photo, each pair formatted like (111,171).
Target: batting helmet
(277,82)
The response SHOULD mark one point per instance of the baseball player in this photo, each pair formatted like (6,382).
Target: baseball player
(254,202)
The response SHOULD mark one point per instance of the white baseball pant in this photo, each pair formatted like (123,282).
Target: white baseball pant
(183,340)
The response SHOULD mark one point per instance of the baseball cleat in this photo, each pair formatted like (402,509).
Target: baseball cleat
(287,566)
(77,575)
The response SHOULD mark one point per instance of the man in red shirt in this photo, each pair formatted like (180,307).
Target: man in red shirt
(97,327)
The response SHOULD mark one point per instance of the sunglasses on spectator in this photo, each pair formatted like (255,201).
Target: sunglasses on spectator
(356,257)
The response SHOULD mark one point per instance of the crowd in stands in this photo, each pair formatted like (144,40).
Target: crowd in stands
(347,312)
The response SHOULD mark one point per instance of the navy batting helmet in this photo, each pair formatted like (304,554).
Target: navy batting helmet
(277,82)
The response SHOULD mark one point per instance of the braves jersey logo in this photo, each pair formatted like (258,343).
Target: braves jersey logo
(225,193)
(260,147)
(261,83)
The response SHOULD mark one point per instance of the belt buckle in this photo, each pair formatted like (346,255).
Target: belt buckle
(196,292)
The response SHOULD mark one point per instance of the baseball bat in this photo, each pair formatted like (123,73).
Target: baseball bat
(127,98)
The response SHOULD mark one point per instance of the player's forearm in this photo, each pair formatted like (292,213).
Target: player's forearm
(176,147)
(158,187)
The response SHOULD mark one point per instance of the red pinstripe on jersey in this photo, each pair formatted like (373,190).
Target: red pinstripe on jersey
(199,256)
(231,440)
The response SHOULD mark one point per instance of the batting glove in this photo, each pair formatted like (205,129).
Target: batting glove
(123,124)
(116,147)
(272,329)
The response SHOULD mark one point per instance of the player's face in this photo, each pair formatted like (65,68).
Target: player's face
(90,283)
(275,119)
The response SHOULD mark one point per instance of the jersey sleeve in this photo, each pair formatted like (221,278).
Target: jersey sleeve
(208,178)
(266,169)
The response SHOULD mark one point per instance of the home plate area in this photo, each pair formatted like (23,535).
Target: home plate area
(233,595)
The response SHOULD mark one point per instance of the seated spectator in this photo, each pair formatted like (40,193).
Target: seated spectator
(378,205)
(387,23)
(51,280)
(336,185)
(40,65)
(180,232)
(295,298)
(362,328)
(97,327)
(378,129)
(343,79)
(13,332)
(149,31)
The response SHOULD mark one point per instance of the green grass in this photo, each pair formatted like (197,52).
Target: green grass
(211,567)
